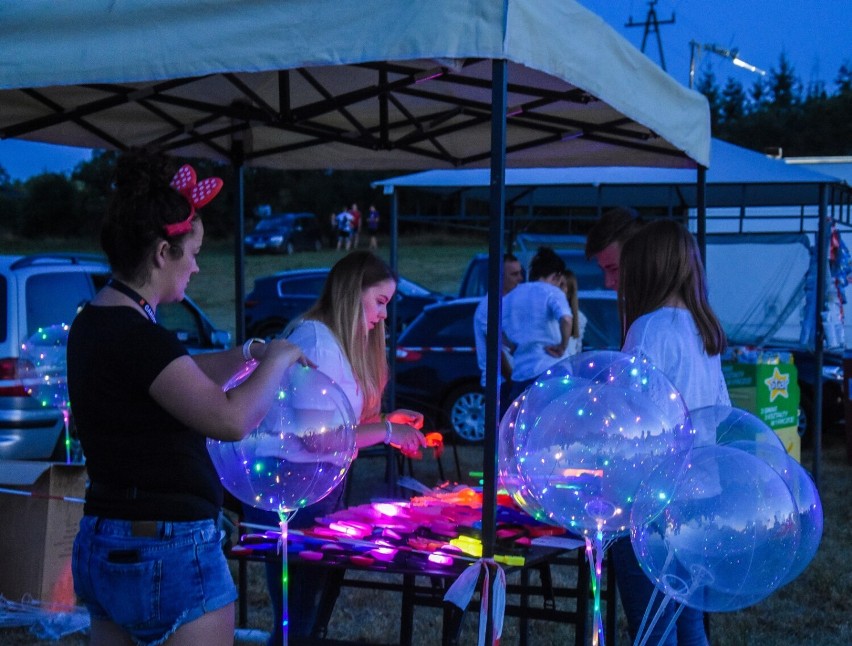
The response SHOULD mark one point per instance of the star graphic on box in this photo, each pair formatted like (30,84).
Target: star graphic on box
(777,385)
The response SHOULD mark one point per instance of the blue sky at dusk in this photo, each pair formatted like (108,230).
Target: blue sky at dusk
(814,35)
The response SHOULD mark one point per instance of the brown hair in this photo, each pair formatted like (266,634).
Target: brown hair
(615,225)
(571,288)
(544,263)
(339,307)
(142,203)
(660,261)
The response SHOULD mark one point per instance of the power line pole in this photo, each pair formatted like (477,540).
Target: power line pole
(652,25)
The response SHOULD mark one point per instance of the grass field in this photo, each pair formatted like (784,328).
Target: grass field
(814,609)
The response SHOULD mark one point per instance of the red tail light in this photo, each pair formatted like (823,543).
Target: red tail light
(8,369)
(9,372)
(406,355)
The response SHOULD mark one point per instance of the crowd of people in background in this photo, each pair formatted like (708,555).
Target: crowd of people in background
(348,224)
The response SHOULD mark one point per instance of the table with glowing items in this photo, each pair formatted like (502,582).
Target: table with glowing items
(420,547)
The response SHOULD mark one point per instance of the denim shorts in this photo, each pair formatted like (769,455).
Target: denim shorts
(154,583)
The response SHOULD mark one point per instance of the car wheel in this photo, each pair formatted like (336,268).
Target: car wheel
(465,412)
(289,248)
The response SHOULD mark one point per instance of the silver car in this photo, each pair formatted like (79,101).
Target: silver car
(44,290)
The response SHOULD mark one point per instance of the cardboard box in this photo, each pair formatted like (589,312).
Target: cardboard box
(771,393)
(38,530)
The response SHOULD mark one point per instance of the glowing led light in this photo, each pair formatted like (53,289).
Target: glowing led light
(440,559)
(386,508)
(385,554)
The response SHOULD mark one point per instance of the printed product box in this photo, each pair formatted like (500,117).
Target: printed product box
(38,530)
(771,392)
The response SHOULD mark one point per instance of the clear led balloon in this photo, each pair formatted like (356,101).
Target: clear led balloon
(632,372)
(725,538)
(726,424)
(806,497)
(508,474)
(43,367)
(300,451)
(587,444)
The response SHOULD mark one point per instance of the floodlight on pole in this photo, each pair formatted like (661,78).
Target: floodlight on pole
(695,49)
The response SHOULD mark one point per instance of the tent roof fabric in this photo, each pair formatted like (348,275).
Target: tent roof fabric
(731,165)
(315,84)
(738,178)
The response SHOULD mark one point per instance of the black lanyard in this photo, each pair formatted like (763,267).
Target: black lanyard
(135,296)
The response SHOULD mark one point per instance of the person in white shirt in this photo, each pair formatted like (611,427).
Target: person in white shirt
(662,295)
(513,275)
(537,319)
(343,334)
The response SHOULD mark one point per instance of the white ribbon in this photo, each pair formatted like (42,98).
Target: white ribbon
(462,589)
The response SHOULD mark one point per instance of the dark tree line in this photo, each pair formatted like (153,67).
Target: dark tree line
(56,205)
(777,112)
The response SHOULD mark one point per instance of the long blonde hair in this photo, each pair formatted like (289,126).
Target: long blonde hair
(339,308)
(571,287)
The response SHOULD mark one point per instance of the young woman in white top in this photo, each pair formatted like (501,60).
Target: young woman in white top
(343,334)
(662,296)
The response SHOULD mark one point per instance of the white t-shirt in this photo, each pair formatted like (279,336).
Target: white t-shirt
(670,339)
(320,345)
(531,315)
(480,329)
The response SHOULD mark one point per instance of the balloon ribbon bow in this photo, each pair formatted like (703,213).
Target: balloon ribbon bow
(461,592)
(197,194)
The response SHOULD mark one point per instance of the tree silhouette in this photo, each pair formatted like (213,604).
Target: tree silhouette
(785,88)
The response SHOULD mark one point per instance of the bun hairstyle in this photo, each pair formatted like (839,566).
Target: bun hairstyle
(142,203)
(545,262)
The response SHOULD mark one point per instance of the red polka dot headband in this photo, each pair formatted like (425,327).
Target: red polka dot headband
(197,194)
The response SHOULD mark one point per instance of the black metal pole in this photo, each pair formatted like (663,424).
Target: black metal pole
(239,253)
(819,336)
(701,213)
(394,262)
(493,340)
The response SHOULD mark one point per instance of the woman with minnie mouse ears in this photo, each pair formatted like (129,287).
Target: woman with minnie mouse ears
(148,561)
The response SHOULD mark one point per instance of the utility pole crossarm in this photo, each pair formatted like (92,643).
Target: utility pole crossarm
(652,24)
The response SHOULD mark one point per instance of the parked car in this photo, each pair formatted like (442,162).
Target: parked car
(285,233)
(279,298)
(833,404)
(42,290)
(436,368)
(589,274)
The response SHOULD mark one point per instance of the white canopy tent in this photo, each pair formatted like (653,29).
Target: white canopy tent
(360,84)
(342,83)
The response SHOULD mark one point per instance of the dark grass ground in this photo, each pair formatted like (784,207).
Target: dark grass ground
(814,609)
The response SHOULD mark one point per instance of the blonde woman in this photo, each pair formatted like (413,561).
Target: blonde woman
(568,284)
(344,335)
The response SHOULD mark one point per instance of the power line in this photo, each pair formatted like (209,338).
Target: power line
(652,25)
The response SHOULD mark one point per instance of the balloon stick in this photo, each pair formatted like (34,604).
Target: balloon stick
(594,555)
(285,615)
(65,416)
